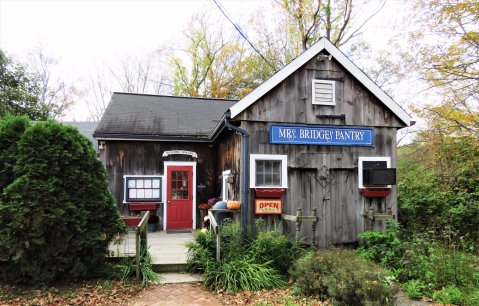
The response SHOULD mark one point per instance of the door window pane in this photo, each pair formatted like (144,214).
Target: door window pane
(179,185)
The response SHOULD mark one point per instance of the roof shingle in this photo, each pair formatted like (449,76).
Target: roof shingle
(156,116)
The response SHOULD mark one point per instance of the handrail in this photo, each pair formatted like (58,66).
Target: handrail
(216,230)
(299,219)
(141,239)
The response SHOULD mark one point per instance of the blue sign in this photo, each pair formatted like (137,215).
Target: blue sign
(321,135)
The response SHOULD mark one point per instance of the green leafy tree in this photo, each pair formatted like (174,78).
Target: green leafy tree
(214,65)
(449,62)
(58,216)
(18,91)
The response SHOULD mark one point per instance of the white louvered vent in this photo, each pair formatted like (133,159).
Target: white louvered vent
(323,92)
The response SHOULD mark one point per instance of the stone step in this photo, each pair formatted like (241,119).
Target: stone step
(169,267)
(178,278)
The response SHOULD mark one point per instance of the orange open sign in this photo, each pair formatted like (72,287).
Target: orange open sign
(268,206)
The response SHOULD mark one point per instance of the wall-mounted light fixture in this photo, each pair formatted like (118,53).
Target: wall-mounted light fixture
(101,145)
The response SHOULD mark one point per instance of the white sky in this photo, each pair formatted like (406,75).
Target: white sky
(84,34)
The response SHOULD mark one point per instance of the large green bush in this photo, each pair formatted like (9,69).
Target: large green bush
(344,278)
(58,215)
(439,189)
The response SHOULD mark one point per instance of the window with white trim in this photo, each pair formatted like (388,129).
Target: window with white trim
(142,188)
(323,92)
(268,171)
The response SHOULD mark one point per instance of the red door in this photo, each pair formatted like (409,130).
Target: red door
(179,197)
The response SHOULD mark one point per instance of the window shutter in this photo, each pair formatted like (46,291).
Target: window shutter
(323,92)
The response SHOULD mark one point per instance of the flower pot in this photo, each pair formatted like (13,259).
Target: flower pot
(131,221)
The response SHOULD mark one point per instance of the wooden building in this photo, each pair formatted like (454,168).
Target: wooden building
(319,134)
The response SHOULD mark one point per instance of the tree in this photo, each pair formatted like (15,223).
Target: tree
(213,65)
(55,94)
(298,24)
(58,215)
(140,74)
(449,62)
(18,91)
(99,92)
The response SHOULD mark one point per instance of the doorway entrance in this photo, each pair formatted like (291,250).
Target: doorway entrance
(180,195)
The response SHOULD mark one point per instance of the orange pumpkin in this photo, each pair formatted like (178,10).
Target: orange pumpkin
(233,204)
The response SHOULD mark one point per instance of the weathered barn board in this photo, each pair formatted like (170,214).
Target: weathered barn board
(340,204)
(353,100)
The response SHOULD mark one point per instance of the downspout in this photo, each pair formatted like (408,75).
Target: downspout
(244,172)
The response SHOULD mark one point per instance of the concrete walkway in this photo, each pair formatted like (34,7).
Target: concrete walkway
(165,249)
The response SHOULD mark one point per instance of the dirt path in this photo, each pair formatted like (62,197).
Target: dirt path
(176,294)
(195,294)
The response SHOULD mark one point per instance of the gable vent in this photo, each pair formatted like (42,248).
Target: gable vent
(323,92)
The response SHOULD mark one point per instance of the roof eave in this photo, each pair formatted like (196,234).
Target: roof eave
(148,137)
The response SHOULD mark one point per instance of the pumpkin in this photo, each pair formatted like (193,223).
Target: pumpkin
(233,204)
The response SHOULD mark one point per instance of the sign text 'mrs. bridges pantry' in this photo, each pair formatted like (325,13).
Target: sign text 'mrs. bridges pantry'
(321,135)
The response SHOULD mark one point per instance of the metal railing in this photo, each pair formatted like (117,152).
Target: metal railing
(299,219)
(141,240)
(216,230)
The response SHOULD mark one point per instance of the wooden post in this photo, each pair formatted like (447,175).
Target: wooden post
(313,242)
(218,245)
(137,240)
(140,239)
(298,223)
(216,229)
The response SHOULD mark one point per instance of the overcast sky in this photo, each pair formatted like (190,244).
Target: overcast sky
(84,34)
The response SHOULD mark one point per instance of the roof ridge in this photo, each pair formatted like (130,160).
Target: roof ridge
(169,96)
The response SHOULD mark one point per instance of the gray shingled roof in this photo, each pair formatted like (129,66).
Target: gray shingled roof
(86,129)
(154,117)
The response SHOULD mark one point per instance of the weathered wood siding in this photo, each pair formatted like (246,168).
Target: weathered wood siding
(338,200)
(229,155)
(145,158)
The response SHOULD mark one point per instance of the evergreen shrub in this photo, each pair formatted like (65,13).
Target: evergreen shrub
(11,129)
(58,215)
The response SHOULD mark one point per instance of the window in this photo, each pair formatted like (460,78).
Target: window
(142,188)
(323,92)
(268,171)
